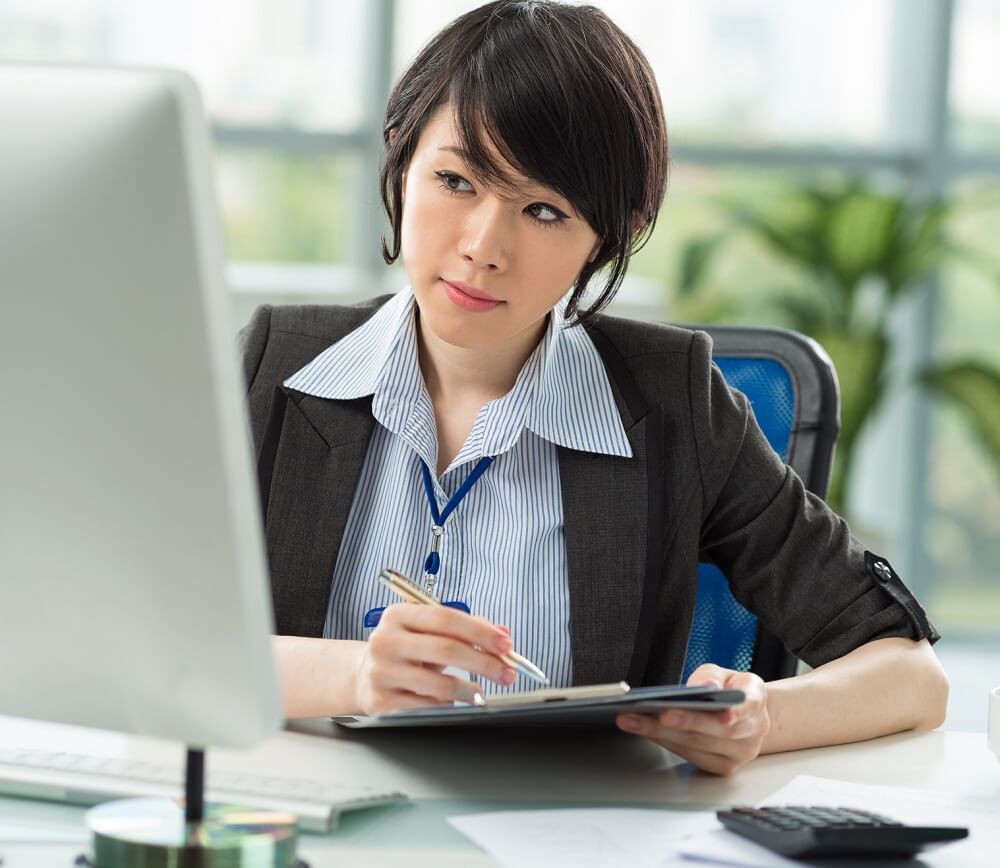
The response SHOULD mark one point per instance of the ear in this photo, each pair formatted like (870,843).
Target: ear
(595,250)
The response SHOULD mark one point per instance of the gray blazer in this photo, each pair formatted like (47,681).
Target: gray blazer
(702,485)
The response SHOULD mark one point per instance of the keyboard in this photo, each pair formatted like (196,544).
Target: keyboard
(824,833)
(89,780)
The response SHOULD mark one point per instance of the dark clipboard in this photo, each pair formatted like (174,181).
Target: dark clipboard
(566,712)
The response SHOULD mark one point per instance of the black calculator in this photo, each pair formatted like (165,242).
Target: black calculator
(824,833)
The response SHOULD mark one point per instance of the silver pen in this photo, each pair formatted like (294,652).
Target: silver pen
(399,584)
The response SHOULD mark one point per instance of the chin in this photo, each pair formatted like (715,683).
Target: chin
(457,330)
(454,326)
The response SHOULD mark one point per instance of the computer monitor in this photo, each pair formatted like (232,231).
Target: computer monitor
(133,586)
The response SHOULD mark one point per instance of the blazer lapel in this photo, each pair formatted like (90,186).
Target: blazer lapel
(604,514)
(319,448)
(613,521)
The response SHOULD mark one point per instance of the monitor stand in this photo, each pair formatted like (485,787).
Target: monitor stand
(160,833)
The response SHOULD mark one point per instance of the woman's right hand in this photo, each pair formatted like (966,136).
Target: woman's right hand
(403,660)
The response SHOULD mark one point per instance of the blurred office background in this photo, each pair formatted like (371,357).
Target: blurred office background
(836,168)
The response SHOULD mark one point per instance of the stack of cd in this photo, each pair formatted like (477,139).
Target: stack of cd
(153,833)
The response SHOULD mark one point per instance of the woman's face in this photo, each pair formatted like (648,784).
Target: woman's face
(485,266)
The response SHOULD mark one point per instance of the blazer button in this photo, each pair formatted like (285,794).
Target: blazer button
(882,571)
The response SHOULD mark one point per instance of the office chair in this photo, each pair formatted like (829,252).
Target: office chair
(792,387)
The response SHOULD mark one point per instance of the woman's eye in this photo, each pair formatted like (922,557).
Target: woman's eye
(545,213)
(542,214)
(453,183)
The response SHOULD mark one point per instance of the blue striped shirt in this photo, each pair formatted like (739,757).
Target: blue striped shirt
(503,552)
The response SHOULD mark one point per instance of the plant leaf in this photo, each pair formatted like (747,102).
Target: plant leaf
(975,389)
(859,360)
(859,234)
(696,257)
(918,245)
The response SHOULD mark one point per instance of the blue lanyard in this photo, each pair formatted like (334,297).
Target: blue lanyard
(433,563)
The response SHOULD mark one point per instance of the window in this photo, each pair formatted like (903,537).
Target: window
(963,516)
(288,208)
(289,70)
(757,93)
(975,97)
(766,72)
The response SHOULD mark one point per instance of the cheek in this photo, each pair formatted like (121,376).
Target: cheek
(553,258)
(424,228)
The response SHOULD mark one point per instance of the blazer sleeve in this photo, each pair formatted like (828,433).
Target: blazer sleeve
(788,557)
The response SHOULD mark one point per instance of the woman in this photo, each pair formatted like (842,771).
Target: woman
(526,157)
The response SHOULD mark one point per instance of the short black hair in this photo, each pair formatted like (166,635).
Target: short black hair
(565,97)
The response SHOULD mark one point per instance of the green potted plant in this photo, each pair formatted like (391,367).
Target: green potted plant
(855,251)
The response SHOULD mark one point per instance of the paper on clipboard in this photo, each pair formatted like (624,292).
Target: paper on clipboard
(556,694)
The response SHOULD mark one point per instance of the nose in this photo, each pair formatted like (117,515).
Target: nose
(486,235)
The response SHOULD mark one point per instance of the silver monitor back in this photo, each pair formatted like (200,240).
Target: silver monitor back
(133,588)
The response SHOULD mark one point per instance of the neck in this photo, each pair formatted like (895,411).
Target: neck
(458,374)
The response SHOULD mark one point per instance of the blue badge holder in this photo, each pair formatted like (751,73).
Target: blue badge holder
(373,616)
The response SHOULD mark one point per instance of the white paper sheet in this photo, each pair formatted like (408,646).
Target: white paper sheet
(915,807)
(40,855)
(27,844)
(584,837)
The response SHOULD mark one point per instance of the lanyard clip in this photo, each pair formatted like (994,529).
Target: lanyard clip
(433,562)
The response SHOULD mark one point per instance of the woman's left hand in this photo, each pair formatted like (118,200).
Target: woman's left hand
(715,741)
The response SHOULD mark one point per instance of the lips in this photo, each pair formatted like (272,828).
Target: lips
(461,295)
(471,290)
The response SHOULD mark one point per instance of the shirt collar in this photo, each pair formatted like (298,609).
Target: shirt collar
(354,366)
(574,406)
(562,393)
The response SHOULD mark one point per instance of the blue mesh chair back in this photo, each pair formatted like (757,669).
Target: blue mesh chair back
(792,388)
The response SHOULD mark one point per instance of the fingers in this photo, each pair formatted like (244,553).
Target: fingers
(443,651)
(697,739)
(404,699)
(715,724)
(406,654)
(388,685)
(718,756)
(446,621)
(753,704)
(428,684)
(434,666)
(718,742)
(709,673)
(441,636)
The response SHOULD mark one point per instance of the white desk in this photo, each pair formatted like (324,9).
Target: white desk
(446,773)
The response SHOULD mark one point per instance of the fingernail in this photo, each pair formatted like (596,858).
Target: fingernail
(629,723)
(503,645)
(508,677)
(504,629)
